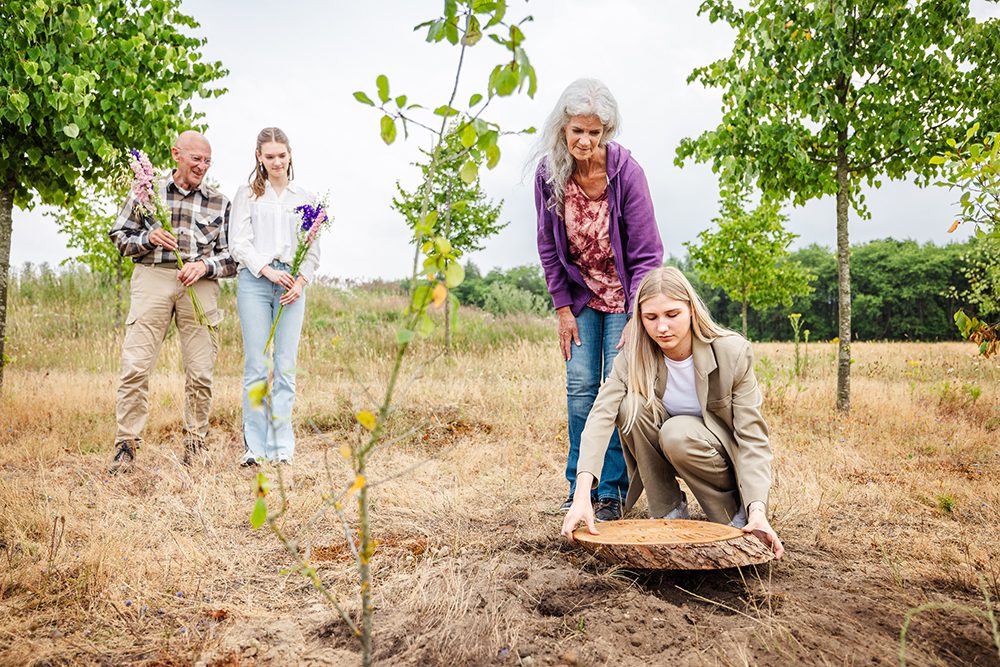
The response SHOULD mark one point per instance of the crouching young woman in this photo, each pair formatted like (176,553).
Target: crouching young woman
(686,403)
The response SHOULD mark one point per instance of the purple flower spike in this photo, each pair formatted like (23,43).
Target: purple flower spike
(128,603)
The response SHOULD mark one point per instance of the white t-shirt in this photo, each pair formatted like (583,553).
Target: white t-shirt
(681,396)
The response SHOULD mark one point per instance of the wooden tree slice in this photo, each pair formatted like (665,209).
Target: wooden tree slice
(675,544)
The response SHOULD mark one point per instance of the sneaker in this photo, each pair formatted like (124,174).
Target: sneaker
(193,446)
(566,505)
(679,512)
(124,457)
(250,462)
(608,509)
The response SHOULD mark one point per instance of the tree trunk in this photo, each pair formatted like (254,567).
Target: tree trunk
(6,228)
(364,567)
(662,544)
(744,311)
(843,279)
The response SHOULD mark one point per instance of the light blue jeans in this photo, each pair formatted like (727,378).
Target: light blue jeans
(589,364)
(267,431)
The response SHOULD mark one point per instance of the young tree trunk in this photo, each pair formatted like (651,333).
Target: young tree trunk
(843,279)
(364,548)
(6,227)
(744,311)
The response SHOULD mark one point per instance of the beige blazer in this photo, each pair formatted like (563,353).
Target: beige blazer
(730,404)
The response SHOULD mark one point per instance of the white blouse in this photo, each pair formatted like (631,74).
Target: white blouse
(263,229)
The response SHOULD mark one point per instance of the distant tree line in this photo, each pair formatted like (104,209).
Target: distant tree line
(902,291)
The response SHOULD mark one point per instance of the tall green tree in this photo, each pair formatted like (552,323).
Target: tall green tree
(820,97)
(748,256)
(465,216)
(81,81)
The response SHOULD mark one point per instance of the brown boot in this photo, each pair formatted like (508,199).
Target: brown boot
(124,458)
(194,447)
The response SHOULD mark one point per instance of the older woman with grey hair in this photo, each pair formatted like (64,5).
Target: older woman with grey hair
(597,238)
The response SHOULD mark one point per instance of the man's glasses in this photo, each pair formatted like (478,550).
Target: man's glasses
(199,159)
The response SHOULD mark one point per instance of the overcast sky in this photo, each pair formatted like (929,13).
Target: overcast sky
(296,65)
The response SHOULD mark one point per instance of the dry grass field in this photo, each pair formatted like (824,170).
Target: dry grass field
(890,508)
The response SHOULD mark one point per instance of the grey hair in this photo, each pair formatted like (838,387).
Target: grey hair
(583,97)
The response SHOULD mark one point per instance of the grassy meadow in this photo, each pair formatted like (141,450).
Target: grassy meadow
(893,507)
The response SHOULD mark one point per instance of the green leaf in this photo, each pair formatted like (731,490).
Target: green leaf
(475,99)
(454,274)
(451,30)
(425,326)
(72,130)
(388,129)
(442,245)
(506,81)
(382,83)
(403,336)
(963,323)
(450,8)
(256,393)
(473,33)
(421,296)
(426,226)
(436,31)
(446,111)
(498,14)
(492,156)
(937,159)
(468,173)
(19,101)
(401,101)
(468,136)
(259,515)
(364,99)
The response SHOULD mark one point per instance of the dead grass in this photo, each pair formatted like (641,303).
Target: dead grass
(161,567)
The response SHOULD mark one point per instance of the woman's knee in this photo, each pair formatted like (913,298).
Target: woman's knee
(677,437)
(582,379)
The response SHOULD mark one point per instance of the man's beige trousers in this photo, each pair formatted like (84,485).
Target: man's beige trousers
(158,297)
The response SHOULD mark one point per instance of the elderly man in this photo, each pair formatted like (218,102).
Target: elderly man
(200,218)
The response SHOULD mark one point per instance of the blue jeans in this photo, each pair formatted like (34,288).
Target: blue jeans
(267,431)
(589,364)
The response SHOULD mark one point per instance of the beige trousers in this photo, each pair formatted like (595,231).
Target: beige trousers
(158,297)
(681,447)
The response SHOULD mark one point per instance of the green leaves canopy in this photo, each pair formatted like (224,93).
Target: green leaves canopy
(86,80)
(887,81)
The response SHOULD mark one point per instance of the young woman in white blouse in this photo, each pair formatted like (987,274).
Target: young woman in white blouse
(684,397)
(263,239)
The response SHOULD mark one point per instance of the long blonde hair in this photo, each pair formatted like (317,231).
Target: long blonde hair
(583,97)
(258,177)
(642,352)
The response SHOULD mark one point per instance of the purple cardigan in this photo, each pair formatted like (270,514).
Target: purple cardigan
(635,239)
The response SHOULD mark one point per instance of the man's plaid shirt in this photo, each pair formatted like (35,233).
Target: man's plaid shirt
(201,222)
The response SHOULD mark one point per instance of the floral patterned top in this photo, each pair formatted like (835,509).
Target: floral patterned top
(587,228)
